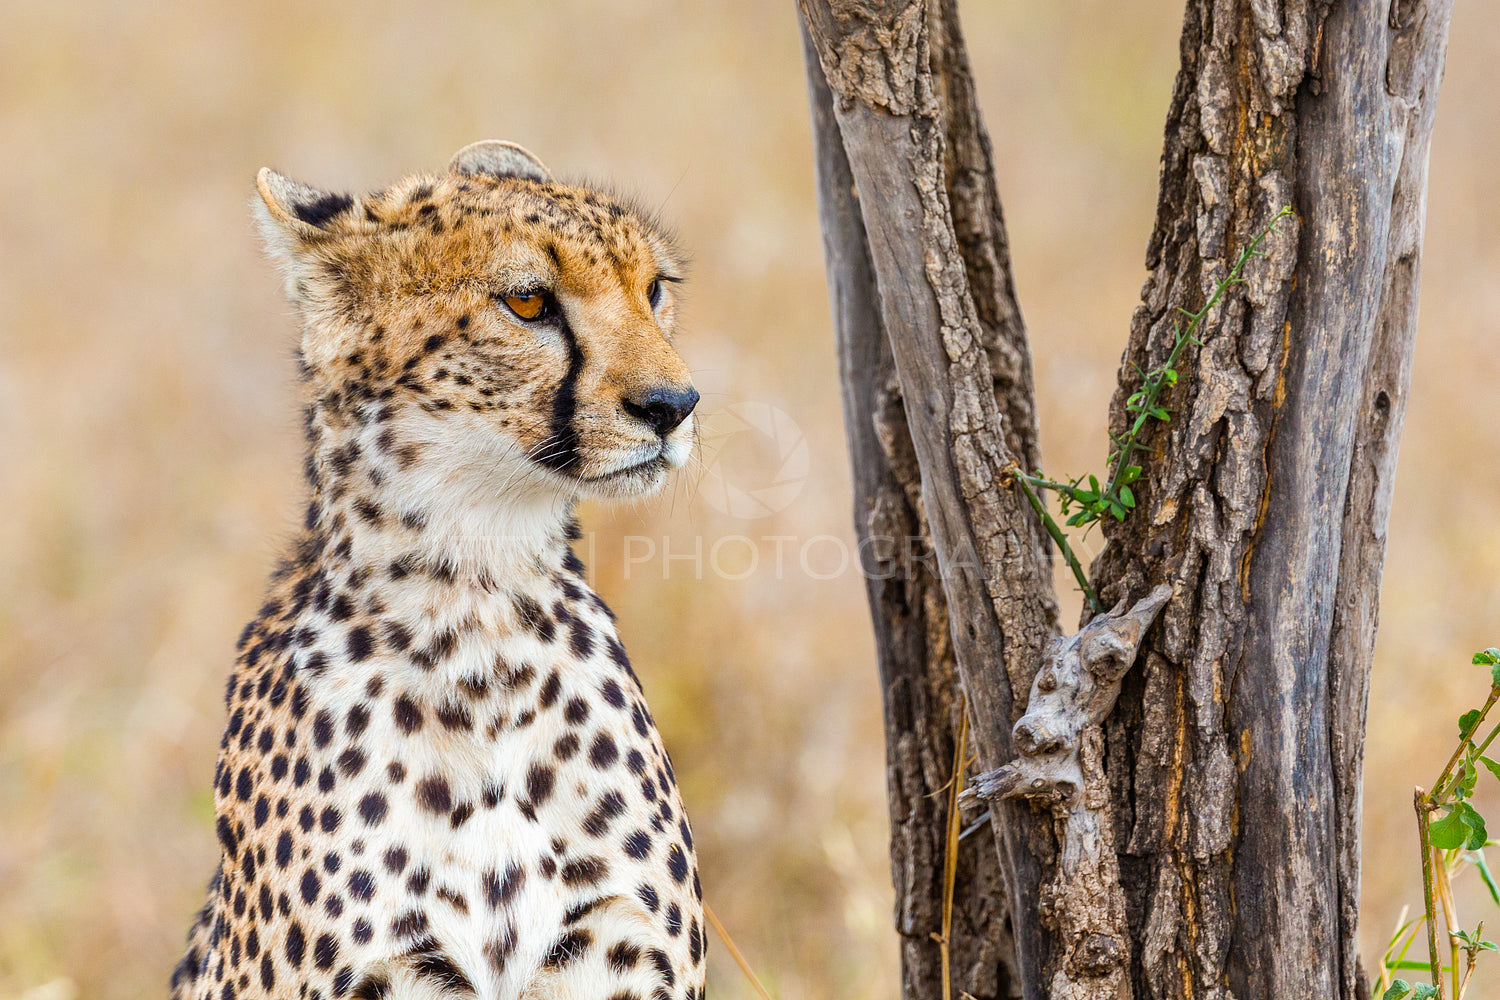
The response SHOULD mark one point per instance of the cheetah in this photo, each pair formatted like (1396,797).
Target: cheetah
(439,776)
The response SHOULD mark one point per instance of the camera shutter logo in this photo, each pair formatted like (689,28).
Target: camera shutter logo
(741,493)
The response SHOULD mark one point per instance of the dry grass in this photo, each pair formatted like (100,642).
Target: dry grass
(150,456)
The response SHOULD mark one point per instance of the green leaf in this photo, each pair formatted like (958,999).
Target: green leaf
(1161,413)
(1467,722)
(1450,832)
(1127,497)
(1494,768)
(1398,990)
(1467,779)
(1477,833)
(1130,474)
(1118,511)
(1424,991)
(1487,657)
(1093,484)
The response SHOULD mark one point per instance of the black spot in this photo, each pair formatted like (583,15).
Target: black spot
(568,948)
(582,639)
(372,808)
(295,945)
(638,844)
(322,728)
(322,209)
(636,762)
(360,644)
(535,619)
(623,956)
(576,711)
(551,688)
(433,794)
(613,694)
(325,951)
(398,636)
(395,860)
(408,714)
(603,752)
(455,717)
(361,884)
(409,924)
(351,761)
(648,896)
(584,871)
(539,782)
(357,719)
(611,804)
(310,887)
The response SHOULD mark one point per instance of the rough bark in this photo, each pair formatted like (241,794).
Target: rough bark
(1236,751)
(1061,768)
(1234,754)
(918,677)
(948,358)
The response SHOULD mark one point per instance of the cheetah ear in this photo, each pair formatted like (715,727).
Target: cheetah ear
(499,159)
(298,210)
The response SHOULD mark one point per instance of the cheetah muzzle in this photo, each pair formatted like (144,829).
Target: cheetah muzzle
(439,776)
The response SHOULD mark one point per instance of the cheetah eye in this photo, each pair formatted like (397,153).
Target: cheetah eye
(530,305)
(653,292)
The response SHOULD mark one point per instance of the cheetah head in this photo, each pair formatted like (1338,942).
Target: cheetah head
(490,332)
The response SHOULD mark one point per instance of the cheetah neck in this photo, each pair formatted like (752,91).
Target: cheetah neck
(394,502)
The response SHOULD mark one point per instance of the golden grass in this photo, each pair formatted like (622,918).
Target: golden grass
(149,446)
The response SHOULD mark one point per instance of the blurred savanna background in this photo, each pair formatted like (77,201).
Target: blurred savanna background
(149,444)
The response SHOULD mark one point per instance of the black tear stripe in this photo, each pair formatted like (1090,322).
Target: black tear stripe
(561,449)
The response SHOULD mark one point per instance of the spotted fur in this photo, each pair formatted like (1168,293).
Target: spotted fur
(439,776)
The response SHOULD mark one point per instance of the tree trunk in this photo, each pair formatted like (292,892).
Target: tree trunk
(1234,754)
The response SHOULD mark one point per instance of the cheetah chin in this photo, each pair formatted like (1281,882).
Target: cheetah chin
(439,775)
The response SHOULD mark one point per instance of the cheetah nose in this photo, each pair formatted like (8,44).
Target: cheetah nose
(662,408)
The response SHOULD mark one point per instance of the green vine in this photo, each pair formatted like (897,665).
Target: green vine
(1083,506)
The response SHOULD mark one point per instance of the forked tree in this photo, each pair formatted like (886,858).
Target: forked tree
(1228,773)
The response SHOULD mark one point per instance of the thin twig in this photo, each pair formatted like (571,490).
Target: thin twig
(1439,791)
(1423,804)
(950,859)
(1471,960)
(1450,915)
(1060,539)
(735,952)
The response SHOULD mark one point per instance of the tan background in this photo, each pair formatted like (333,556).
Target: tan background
(149,454)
